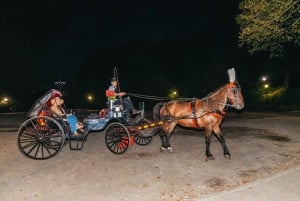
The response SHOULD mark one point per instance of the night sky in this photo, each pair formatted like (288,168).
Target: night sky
(81,41)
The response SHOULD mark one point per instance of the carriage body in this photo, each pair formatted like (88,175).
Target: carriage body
(44,133)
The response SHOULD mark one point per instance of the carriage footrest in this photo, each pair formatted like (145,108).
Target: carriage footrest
(76,142)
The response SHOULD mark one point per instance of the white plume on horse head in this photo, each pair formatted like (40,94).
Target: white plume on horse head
(231,74)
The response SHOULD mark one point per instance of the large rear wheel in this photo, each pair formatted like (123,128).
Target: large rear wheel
(117,138)
(40,137)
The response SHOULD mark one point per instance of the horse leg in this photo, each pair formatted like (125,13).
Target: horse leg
(168,130)
(209,156)
(163,138)
(169,148)
(220,137)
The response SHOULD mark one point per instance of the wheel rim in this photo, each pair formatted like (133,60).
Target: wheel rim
(117,138)
(142,140)
(40,138)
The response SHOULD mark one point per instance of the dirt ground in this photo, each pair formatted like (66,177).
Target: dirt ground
(260,144)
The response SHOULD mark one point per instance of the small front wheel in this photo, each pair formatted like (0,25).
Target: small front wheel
(143,141)
(117,138)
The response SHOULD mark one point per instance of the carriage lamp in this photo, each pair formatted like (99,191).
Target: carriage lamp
(5,99)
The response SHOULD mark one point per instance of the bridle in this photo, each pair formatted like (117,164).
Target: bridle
(234,89)
(230,102)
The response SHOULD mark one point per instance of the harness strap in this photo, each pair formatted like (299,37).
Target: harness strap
(218,114)
(192,108)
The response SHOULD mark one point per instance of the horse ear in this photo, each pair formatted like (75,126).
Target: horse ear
(231,74)
(236,82)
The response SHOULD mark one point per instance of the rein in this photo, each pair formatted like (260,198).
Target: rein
(158,98)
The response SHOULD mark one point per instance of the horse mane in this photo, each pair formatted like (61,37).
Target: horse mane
(213,92)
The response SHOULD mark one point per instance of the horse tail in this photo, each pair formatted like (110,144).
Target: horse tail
(156,111)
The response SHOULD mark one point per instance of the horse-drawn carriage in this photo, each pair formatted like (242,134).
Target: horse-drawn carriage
(45,133)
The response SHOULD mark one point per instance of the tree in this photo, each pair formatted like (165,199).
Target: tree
(269,25)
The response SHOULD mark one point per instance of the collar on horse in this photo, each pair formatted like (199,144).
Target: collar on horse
(192,108)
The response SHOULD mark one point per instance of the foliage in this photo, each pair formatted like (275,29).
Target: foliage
(268,25)
(274,94)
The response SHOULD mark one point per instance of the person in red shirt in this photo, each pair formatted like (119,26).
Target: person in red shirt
(113,89)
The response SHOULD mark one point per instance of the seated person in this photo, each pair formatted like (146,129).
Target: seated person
(56,107)
(113,88)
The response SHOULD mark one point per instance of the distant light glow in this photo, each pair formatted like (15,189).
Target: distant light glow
(264,78)
(173,93)
(4,101)
(90,97)
(266,86)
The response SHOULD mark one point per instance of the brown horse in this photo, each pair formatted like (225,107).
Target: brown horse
(206,113)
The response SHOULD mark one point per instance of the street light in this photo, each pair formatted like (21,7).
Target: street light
(4,101)
(266,86)
(264,78)
(90,98)
(173,93)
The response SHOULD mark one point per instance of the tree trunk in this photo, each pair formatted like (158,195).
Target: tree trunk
(287,79)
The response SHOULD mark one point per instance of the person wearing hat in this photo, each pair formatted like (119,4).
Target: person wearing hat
(114,89)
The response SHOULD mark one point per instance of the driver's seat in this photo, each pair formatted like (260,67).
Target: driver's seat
(114,105)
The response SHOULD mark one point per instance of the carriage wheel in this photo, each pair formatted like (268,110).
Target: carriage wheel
(117,138)
(142,140)
(40,137)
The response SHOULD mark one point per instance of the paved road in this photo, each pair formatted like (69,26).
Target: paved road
(284,186)
(265,157)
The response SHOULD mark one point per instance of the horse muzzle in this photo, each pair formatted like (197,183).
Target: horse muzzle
(239,106)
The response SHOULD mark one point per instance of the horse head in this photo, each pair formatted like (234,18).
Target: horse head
(234,91)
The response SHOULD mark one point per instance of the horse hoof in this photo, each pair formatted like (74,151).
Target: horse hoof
(227,156)
(210,158)
(163,150)
(170,150)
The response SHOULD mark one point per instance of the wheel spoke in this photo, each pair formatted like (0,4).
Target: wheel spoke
(25,134)
(47,149)
(112,144)
(32,149)
(37,150)
(42,148)
(142,140)
(28,145)
(27,140)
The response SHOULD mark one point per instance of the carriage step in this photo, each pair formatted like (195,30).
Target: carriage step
(76,142)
